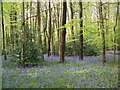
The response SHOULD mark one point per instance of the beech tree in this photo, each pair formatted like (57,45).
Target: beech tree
(81,30)
(118,28)
(50,28)
(63,31)
(44,26)
(23,33)
(45,30)
(4,48)
(72,29)
(115,32)
(103,31)
(39,30)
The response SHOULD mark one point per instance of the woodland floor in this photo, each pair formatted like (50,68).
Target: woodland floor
(89,73)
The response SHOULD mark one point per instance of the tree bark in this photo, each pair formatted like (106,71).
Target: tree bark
(58,24)
(4,48)
(24,33)
(51,29)
(118,30)
(12,27)
(72,30)
(63,32)
(103,33)
(39,30)
(44,30)
(115,40)
(81,30)
(49,36)
(31,27)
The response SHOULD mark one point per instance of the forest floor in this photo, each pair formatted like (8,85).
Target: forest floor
(89,73)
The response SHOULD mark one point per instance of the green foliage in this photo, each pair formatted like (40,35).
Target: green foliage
(30,52)
(69,49)
(90,49)
(92,44)
(10,63)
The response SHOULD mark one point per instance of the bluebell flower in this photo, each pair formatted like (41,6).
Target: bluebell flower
(43,71)
(28,69)
(44,66)
(79,81)
(35,85)
(6,83)
(14,84)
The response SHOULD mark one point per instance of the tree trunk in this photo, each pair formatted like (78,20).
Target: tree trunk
(51,29)
(27,15)
(49,36)
(24,33)
(81,30)
(118,30)
(30,14)
(14,19)
(63,32)
(115,40)
(72,30)
(4,48)
(44,30)
(12,27)
(39,30)
(107,26)
(31,27)
(58,24)
(103,33)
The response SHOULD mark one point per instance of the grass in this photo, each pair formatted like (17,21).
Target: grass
(89,73)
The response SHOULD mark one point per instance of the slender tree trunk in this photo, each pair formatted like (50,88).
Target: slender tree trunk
(7,41)
(118,30)
(49,37)
(12,27)
(72,30)
(44,30)
(115,40)
(103,33)
(39,30)
(81,30)
(34,26)
(107,24)
(24,33)
(27,15)
(30,14)
(58,24)
(98,23)
(51,29)
(31,27)
(15,40)
(4,48)
(63,32)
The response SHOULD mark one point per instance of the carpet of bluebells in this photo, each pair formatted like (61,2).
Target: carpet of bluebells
(89,73)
